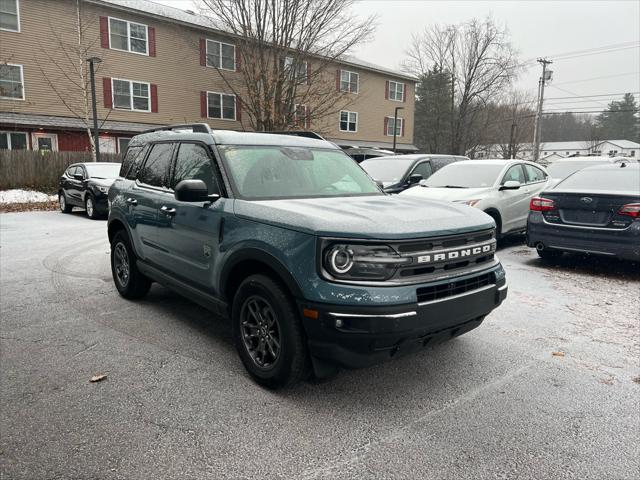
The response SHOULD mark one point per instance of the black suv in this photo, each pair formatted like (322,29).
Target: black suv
(290,237)
(86,185)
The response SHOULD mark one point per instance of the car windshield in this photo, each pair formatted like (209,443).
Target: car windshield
(268,172)
(110,170)
(388,170)
(562,169)
(615,179)
(465,175)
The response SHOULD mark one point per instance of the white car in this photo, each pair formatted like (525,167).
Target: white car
(501,188)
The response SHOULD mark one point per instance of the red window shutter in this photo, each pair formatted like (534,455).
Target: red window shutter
(203,52)
(404,93)
(104,32)
(238,60)
(308,73)
(402,128)
(386,90)
(154,98)
(338,80)
(386,123)
(238,109)
(152,42)
(203,104)
(106,92)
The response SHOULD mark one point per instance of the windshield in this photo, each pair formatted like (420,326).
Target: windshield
(260,172)
(105,170)
(388,171)
(616,179)
(465,175)
(564,169)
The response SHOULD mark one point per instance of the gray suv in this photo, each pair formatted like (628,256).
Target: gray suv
(288,236)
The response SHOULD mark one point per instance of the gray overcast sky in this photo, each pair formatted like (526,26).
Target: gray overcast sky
(538,28)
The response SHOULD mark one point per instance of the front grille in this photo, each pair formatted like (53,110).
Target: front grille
(445,290)
(445,242)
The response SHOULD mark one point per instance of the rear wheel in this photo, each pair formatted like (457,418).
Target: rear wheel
(268,333)
(130,282)
(62,201)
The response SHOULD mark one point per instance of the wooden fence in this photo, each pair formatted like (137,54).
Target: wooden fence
(31,169)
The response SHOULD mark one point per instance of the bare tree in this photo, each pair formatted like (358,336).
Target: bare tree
(288,51)
(481,62)
(64,68)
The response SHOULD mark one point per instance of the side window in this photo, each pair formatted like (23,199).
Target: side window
(155,169)
(515,173)
(193,163)
(128,160)
(534,174)
(71,171)
(423,169)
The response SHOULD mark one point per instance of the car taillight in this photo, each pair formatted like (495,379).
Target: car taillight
(539,204)
(631,210)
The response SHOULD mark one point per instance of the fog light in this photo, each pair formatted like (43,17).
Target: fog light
(339,323)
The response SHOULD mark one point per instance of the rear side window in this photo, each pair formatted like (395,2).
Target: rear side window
(129,160)
(155,169)
(534,174)
(194,163)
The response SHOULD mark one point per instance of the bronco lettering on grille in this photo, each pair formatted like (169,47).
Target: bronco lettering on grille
(453,254)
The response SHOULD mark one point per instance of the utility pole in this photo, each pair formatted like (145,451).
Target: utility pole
(96,135)
(546,76)
(512,139)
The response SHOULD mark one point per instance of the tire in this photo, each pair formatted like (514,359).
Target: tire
(263,302)
(64,205)
(90,207)
(549,255)
(129,281)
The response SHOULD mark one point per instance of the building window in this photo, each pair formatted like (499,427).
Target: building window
(633,153)
(129,95)
(10,15)
(128,36)
(396,91)
(220,105)
(221,55)
(11,81)
(13,141)
(349,81)
(398,129)
(300,72)
(348,121)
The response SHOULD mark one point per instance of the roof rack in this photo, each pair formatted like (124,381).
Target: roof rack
(195,127)
(298,133)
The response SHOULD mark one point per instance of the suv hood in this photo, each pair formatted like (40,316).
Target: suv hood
(380,217)
(103,182)
(449,194)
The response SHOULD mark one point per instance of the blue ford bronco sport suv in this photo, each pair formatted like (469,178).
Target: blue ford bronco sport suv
(288,236)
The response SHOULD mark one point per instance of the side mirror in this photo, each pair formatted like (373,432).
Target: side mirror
(415,178)
(510,185)
(78,176)
(193,191)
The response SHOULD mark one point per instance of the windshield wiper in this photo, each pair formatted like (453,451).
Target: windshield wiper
(450,186)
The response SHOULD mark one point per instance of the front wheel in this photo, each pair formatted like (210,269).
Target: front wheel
(268,333)
(62,202)
(90,207)
(130,282)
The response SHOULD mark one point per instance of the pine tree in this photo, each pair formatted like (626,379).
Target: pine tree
(620,120)
(433,112)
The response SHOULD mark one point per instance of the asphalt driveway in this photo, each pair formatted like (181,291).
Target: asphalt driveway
(547,388)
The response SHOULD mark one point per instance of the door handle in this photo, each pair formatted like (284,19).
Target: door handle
(168,211)
(132,201)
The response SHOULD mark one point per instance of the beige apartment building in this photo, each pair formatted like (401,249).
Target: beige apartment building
(158,66)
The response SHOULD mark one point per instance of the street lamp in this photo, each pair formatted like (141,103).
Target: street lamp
(395,126)
(96,137)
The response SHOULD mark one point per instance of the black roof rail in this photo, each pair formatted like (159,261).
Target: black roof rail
(298,133)
(195,127)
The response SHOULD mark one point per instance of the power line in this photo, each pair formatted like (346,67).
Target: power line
(590,51)
(599,78)
(591,96)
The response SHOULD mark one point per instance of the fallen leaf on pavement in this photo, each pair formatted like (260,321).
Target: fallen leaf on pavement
(557,354)
(97,378)
(636,379)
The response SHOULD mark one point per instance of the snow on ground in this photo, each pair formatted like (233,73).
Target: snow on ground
(24,196)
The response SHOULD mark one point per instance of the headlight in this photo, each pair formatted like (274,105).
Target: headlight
(471,203)
(103,189)
(361,262)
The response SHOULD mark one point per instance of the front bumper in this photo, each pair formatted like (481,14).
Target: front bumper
(624,243)
(355,337)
